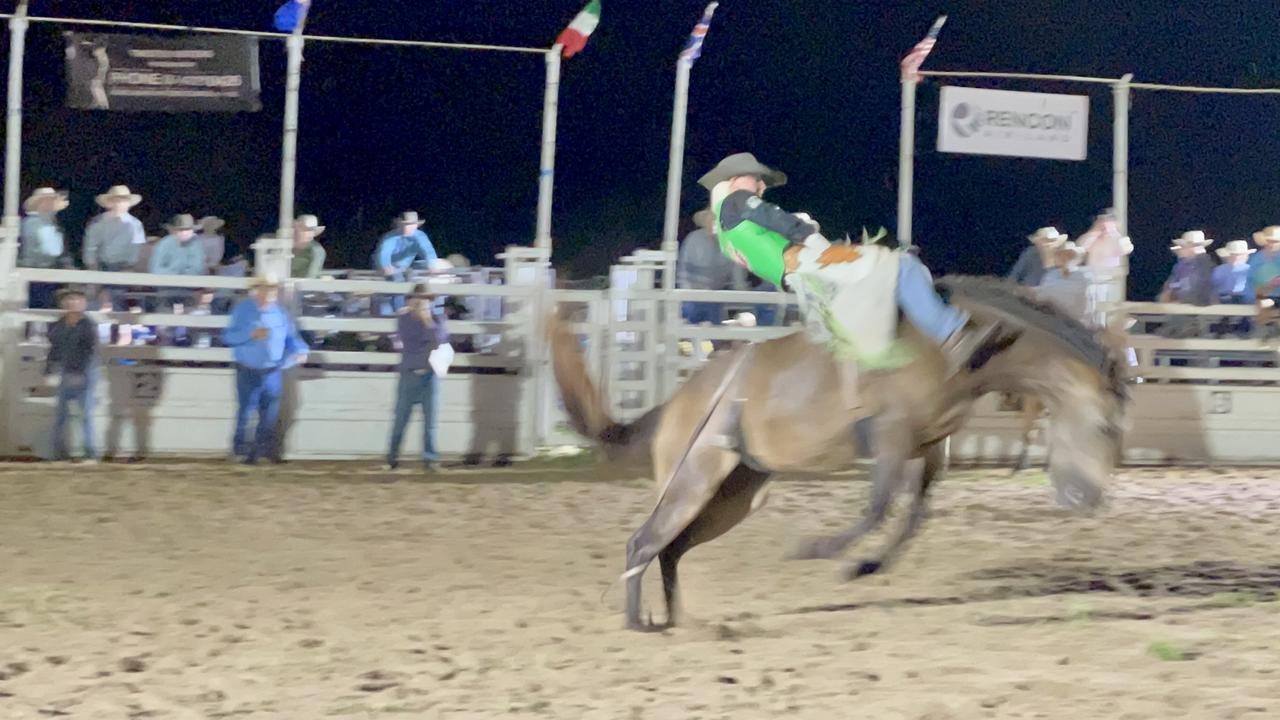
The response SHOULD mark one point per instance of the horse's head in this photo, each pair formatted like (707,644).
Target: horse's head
(1076,371)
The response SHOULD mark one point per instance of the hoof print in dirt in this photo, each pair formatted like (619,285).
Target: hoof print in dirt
(377,681)
(862,569)
(133,665)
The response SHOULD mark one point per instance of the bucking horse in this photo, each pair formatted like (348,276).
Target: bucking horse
(776,407)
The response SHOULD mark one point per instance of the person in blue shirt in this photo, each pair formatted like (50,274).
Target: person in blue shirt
(265,342)
(1231,279)
(398,252)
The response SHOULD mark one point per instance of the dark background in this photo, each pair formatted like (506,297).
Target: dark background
(809,86)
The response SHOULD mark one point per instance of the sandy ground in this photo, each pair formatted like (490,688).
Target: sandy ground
(202,591)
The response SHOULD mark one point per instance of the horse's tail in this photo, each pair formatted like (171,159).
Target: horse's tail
(587,407)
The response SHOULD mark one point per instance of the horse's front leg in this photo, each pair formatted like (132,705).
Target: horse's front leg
(893,446)
(934,466)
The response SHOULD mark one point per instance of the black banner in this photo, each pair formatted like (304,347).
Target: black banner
(141,73)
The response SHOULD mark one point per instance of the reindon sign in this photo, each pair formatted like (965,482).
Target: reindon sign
(1017,124)
(140,73)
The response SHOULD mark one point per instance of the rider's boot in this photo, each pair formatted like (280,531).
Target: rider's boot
(959,348)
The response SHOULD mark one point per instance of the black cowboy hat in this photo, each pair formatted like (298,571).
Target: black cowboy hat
(742,164)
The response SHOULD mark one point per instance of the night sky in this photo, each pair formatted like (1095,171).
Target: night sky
(811,87)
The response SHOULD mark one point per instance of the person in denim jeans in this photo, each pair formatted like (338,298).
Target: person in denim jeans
(420,328)
(73,356)
(265,342)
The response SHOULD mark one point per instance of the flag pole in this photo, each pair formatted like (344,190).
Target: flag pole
(547,168)
(278,261)
(13,144)
(675,169)
(671,220)
(906,161)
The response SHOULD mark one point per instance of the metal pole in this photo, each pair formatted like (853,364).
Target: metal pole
(675,170)
(671,221)
(547,170)
(289,150)
(906,162)
(1120,176)
(13,144)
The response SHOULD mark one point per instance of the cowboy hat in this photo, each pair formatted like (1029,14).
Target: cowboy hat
(181,222)
(1048,235)
(266,280)
(1270,234)
(1192,239)
(46,196)
(739,165)
(1067,247)
(409,217)
(704,219)
(422,291)
(458,260)
(211,224)
(1235,247)
(309,222)
(119,192)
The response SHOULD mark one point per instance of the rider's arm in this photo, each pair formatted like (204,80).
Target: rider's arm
(743,206)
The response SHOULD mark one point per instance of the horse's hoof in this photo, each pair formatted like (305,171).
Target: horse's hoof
(862,569)
(818,549)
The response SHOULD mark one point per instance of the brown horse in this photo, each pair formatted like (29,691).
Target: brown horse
(776,407)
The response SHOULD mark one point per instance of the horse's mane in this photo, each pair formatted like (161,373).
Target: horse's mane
(1009,300)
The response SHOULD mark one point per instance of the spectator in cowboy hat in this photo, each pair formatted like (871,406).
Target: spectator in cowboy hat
(211,239)
(42,240)
(1231,282)
(420,329)
(265,343)
(179,253)
(1068,285)
(308,255)
(1191,281)
(399,251)
(1029,270)
(113,238)
(1265,265)
(73,357)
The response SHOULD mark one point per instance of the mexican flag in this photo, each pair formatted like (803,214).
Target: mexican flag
(574,37)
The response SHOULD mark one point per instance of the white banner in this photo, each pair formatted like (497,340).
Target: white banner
(973,121)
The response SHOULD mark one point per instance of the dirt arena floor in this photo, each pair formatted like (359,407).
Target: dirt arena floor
(317,591)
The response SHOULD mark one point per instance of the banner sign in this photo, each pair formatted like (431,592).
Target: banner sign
(974,121)
(143,73)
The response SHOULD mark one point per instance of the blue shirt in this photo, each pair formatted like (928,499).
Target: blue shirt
(399,251)
(42,242)
(1232,283)
(1265,268)
(279,348)
(172,256)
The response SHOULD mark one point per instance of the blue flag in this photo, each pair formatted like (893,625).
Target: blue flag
(290,15)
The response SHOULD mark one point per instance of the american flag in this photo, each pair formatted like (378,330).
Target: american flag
(914,59)
(693,50)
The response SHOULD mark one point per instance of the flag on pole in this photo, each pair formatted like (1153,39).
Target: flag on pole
(290,14)
(914,59)
(693,50)
(574,37)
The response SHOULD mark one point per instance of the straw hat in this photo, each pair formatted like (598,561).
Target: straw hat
(409,217)
(180,223)
(1066,247)
(117,193)
(739,165)
(1047,236)
(267,280)
(309,222)
(211,224)
(1235,247)
(46,199)
(458,260)
(1194,239)
(1269,234)
(422,291)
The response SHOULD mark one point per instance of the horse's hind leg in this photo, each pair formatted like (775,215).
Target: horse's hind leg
(893,445)
(934,464)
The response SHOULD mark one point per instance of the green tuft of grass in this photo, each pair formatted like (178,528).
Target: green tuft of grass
(1238,598)
(1169,652)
